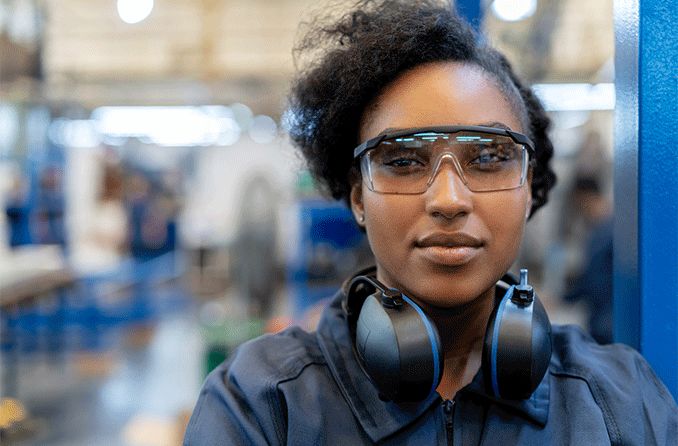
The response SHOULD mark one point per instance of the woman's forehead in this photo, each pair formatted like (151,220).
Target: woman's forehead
(446,93)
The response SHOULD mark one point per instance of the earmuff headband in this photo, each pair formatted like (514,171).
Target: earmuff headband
(495,340)
(433,337)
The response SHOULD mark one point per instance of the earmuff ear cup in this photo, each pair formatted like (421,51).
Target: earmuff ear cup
(517,348)
(377,346)
(399,349)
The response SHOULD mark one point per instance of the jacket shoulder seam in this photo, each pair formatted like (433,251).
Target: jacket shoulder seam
(298,358)
(598,396)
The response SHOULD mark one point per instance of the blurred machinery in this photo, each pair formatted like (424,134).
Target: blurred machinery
(254,260)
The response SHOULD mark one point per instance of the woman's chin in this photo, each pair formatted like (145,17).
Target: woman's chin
(446,299)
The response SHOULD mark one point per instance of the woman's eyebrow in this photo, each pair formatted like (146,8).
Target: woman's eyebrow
(495,124)
(390,130)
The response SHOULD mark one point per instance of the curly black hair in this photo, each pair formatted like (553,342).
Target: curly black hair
(358,54)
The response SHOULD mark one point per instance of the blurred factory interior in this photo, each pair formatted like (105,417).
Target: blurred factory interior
(153,213)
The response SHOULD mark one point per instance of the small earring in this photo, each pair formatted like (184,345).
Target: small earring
(362,218)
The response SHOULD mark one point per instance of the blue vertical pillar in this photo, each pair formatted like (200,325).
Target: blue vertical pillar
(470,10)
(646,183)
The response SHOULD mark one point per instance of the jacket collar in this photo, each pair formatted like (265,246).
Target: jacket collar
(380,419)
(535,408)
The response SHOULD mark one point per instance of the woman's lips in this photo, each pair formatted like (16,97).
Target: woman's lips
(449,255)
(449,249)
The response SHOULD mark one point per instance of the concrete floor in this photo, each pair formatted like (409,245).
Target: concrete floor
(137,392)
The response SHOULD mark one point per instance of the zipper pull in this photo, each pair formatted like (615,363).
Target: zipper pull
(448,408)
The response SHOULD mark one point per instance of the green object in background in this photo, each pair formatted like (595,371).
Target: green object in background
(215,355)
(305,185)
(221,339)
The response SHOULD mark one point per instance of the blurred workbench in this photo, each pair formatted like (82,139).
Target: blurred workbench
(27,275)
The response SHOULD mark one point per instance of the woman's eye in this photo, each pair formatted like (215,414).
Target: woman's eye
(491,158)
(403,163)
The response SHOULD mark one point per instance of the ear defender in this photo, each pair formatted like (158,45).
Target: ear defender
(517,348)
(398,346)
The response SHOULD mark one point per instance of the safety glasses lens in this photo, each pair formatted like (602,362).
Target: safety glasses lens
(408,164)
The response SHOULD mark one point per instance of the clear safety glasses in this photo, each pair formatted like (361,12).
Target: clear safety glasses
(406,161)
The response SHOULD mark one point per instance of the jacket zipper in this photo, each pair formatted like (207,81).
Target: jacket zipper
(448,408)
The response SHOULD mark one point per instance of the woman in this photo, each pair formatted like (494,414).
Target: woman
(442,154)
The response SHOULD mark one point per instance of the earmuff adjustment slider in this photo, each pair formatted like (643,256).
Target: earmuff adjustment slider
(391,298)
(524,293)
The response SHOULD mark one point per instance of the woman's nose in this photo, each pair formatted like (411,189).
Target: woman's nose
(447,194)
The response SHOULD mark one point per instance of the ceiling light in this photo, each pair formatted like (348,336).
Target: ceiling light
(514,10)
(134,11)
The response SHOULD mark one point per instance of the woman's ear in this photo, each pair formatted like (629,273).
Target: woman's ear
(357,203)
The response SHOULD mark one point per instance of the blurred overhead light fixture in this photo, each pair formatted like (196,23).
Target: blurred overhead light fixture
(263,129)
(185,126)
(242,114)
(576,97)
(77,133)
(514,10)
(134,11)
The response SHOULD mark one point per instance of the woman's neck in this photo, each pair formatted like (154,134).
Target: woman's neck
(462,332)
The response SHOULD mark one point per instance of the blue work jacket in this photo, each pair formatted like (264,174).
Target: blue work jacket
(302,388)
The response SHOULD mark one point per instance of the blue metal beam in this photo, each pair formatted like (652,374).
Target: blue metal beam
(470,10)
(646,183)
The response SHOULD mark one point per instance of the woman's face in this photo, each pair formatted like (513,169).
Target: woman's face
(402,228)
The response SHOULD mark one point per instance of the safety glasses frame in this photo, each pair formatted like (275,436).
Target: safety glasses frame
(515,136)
